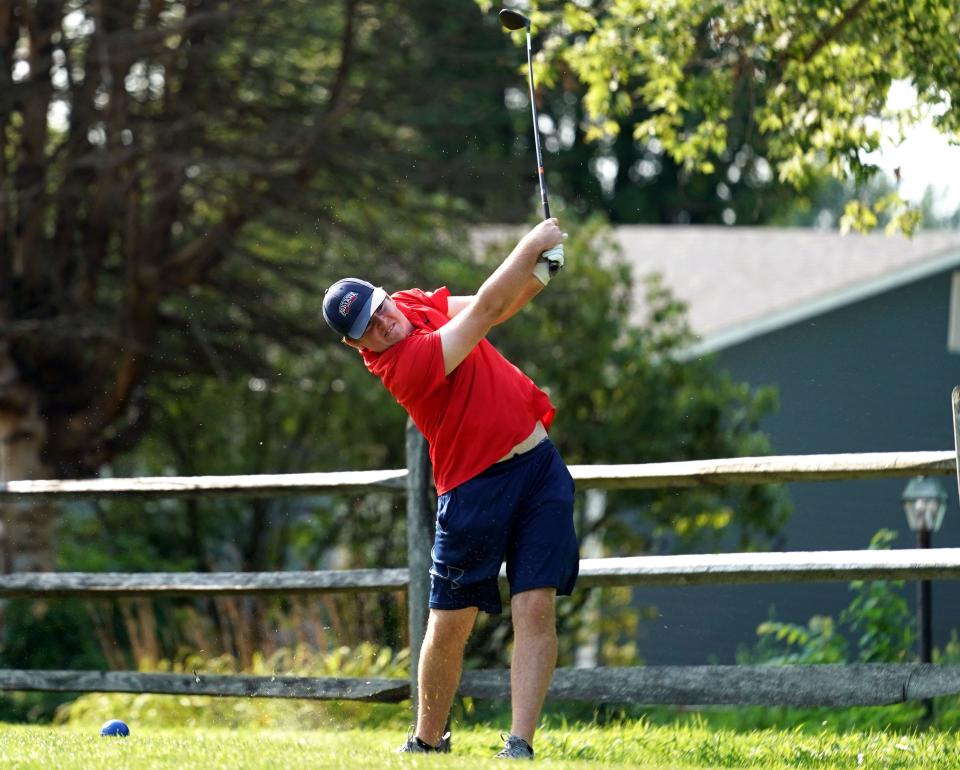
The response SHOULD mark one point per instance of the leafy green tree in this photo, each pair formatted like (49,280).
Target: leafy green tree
(635,180)
(178,182)
(808,80)
(179,179)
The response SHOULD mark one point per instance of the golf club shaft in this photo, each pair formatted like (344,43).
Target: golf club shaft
(536,134)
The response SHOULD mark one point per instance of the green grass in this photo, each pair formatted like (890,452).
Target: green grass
(638,745)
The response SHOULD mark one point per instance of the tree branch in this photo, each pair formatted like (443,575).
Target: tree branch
(336,104)
(192,263)
(832,32)
(346,49)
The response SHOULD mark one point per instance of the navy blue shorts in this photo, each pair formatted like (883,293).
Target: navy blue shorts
(520,510)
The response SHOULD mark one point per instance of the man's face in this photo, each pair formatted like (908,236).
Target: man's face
(387,327)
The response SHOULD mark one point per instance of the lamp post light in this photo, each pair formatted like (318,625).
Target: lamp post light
(924,502)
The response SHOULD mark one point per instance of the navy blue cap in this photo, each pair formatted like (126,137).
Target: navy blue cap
(349,305)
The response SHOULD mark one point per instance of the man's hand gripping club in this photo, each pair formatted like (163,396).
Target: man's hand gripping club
(550,260)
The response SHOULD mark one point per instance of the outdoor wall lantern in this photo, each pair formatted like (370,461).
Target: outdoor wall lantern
(924,502)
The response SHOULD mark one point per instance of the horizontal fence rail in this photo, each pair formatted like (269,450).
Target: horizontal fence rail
(836,685)
(262,485)
(314,688)
(802,686)
(765,470)
(93,585)
(820,685)
(738,470)
(773,567)
(705,569)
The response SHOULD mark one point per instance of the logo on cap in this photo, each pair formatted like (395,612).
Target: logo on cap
(348,299)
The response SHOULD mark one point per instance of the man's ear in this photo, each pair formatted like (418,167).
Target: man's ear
(352,343)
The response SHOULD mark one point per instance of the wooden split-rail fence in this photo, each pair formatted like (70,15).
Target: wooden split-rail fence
(822,685)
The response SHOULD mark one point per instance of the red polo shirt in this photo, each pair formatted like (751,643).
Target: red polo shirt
(474,416)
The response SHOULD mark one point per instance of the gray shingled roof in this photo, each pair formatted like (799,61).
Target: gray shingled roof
(742,281)
(739,282)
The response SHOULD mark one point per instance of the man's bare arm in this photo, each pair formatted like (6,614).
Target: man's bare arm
(498,295)
(531,290)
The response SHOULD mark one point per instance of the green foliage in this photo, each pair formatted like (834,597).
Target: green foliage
(826,206)
(174,328)
(635,180)
(317,412)
(196,711)
(209,171)
(55,635)
(804,82)
(817,642)
(878,617)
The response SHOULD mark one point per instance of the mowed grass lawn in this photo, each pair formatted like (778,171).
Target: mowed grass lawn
(638,745)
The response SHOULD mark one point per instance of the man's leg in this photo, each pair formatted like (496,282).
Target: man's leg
(441,661)
(534,657)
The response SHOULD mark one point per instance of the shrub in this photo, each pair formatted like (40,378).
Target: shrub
(210,711)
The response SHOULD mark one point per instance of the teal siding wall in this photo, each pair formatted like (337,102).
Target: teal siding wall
(874,376)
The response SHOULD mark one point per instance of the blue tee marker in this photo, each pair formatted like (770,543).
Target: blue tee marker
(115,727)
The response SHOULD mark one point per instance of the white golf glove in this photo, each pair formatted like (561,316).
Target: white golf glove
(548,264)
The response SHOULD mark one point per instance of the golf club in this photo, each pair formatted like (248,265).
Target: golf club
(514,20)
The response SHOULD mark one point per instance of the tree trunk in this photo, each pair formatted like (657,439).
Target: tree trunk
(27,531)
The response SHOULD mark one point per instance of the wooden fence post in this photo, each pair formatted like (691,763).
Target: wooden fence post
(420,525)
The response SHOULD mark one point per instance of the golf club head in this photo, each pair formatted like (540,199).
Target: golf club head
(514,19)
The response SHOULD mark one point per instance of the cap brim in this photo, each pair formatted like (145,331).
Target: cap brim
(366,313)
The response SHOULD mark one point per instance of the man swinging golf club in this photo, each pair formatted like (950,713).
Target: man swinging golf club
(504,493)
